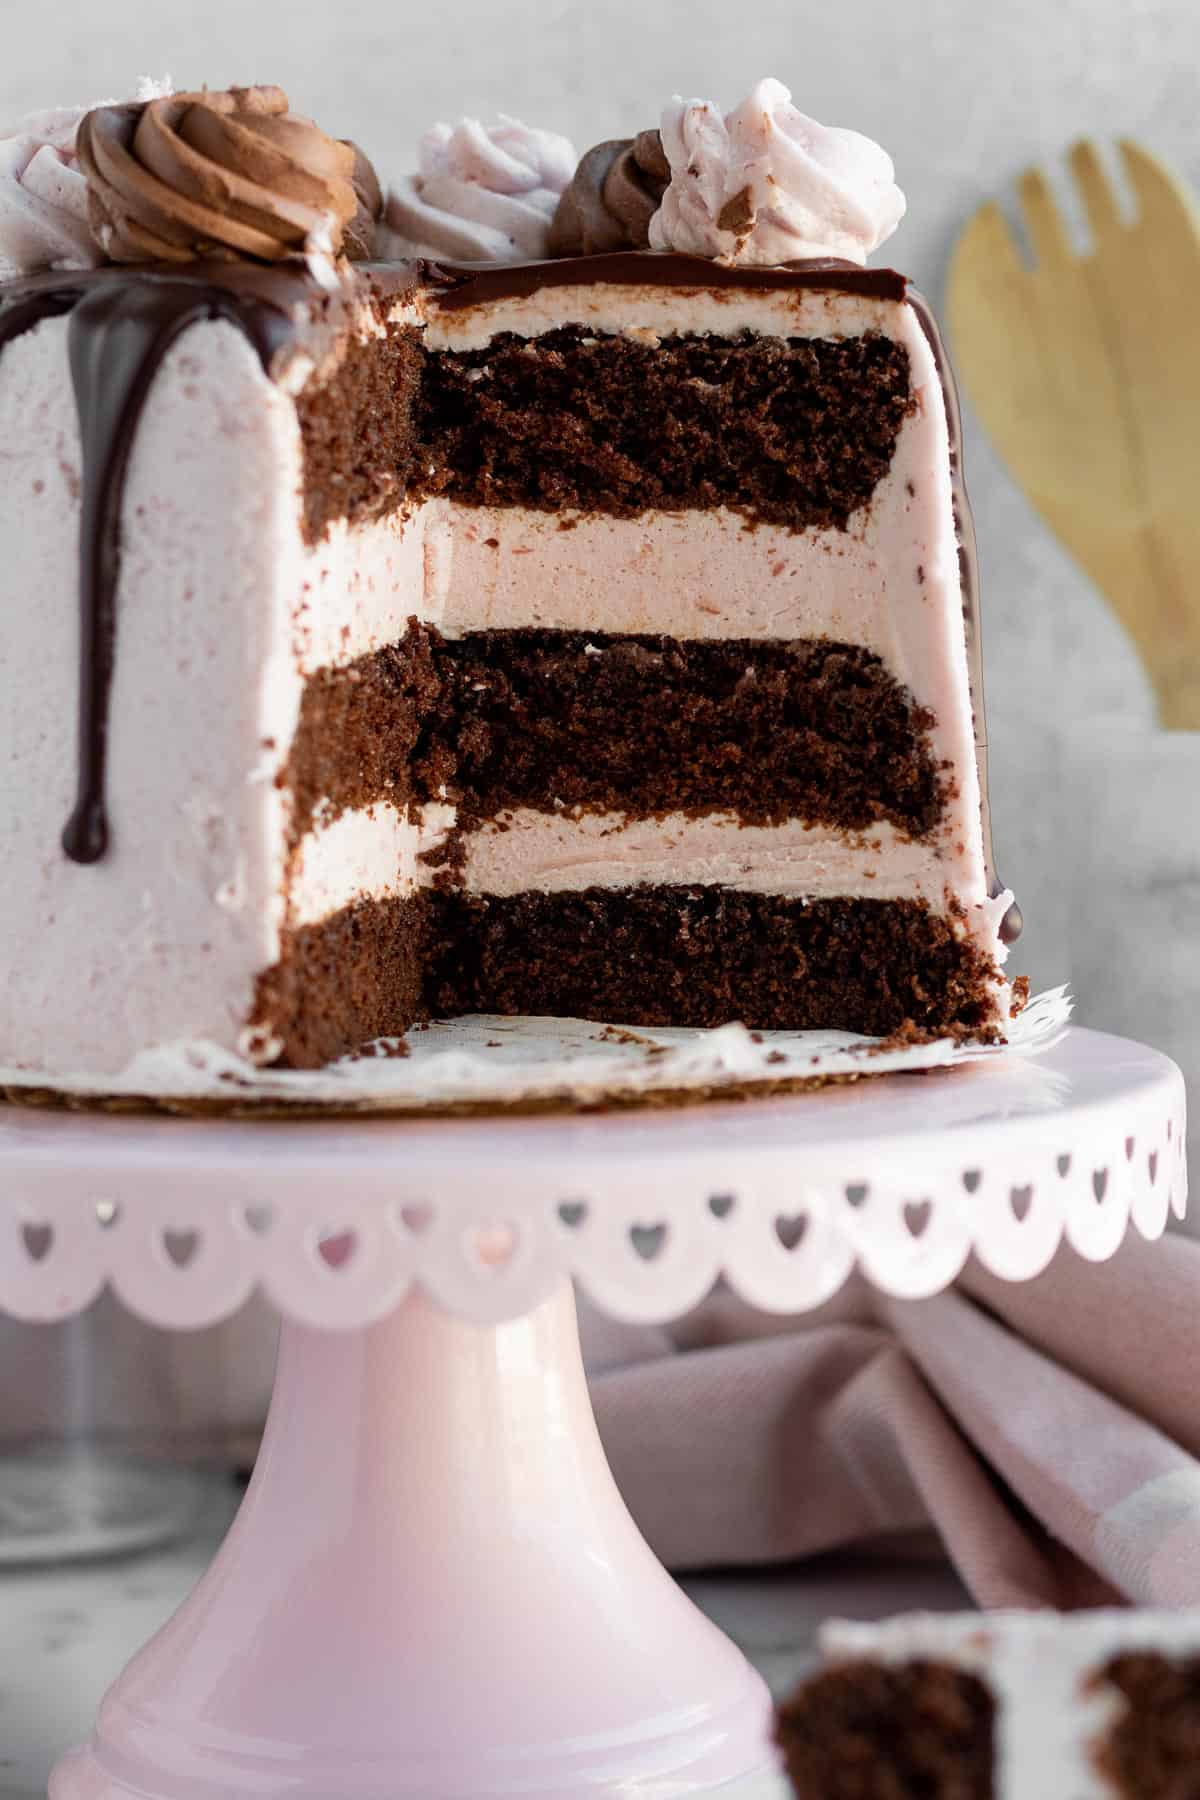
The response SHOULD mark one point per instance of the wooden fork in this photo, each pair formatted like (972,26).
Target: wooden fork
(1085,369)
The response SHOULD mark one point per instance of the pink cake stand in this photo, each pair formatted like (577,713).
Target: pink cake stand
(433,1587)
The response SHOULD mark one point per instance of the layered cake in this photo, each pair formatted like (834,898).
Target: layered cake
(1011,1706)
(546,588)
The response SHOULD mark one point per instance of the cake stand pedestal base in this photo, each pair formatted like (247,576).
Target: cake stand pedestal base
(433,1588)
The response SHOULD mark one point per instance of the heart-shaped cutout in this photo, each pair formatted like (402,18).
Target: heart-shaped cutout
(573,1213)
(721,1205)
(493,1245)
(971,1180)
(917,1214)
(37,1240)
(336,1248)
(107,1214)
(416,1216)
(181,1246)
(1063,1164)
(791,1230)
(648,1240)
(1021,1199)
(857,1192)
(1099,1183)
(259,1218)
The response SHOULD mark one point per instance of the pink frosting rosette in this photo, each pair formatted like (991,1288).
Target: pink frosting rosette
(481,193)
(44,194)
(765,184)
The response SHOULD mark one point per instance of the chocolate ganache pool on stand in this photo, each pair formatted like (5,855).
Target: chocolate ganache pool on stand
(585,633)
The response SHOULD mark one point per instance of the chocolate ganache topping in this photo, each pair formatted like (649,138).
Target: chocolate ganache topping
(615,192)
(212,176)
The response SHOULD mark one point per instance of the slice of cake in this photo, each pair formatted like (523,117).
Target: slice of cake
(590,635)
(1006,1706)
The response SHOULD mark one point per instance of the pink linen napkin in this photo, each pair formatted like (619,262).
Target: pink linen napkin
(1048,1430)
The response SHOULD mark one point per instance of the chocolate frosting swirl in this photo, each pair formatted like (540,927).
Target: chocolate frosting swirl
(221,176)
(616,191)
(359,240)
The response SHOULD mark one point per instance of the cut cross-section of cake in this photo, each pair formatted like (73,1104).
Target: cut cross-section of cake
(1005,1706)
(593,635)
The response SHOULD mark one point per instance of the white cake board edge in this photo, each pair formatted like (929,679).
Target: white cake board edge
(487,1061)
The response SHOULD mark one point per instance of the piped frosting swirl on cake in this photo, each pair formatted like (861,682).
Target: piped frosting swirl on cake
(43,199)
(765,184)
(214,176)
(614,194)
(44,194)
(481,193)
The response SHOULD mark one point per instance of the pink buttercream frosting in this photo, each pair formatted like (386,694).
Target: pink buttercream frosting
(765,184)
(481,193)
(44,195)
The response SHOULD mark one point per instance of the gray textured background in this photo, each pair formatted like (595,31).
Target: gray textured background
(964,93)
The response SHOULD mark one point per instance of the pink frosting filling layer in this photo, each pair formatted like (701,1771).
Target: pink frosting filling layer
(377,851)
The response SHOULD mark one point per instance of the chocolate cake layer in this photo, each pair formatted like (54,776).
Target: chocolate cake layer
(360,736)
(1152,1752)
(798,431)
(867,1731)
(358,429)
(700,956)
(558,720)
(633,956)
(356,976)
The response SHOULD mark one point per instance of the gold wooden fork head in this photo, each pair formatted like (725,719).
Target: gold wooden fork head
(1085,369)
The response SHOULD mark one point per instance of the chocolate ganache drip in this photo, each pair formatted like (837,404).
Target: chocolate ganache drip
(122,325)
(216,175)
(614,194)
(234,178)
(120,332)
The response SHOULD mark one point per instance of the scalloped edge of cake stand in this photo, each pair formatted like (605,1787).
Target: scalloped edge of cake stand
(336,1222)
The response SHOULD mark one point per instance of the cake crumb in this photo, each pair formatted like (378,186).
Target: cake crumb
(737,215)
(617,1034)
(389,1049)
